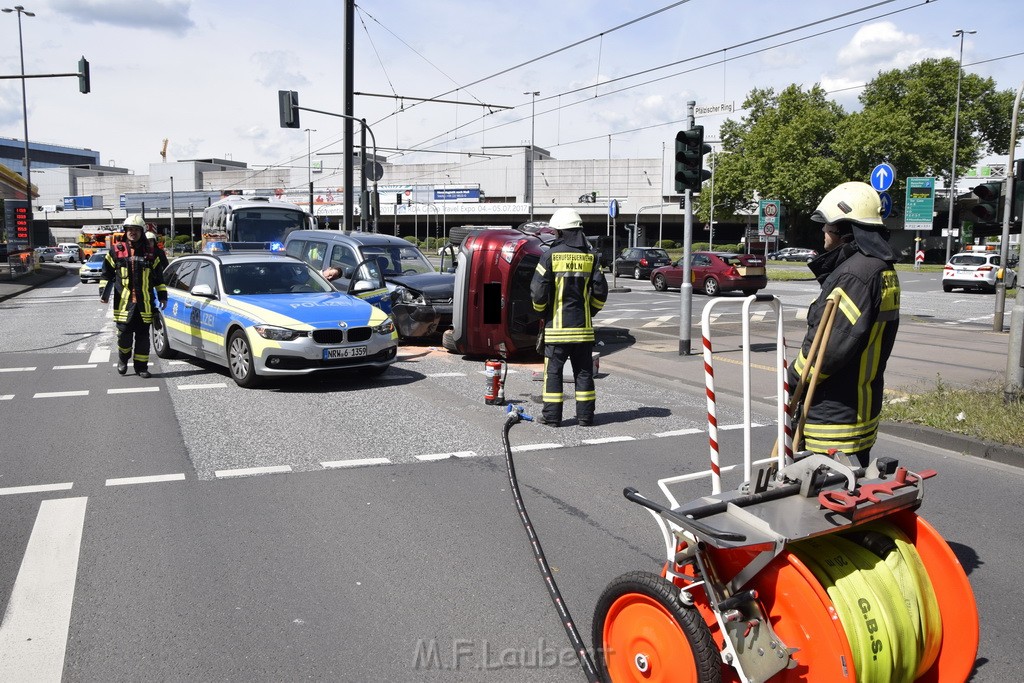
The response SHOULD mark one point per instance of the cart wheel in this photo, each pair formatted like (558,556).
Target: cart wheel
(642,632)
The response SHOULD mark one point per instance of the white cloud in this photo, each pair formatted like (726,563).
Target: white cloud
(165,16)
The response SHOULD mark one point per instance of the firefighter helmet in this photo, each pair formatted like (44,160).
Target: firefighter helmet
(854,202)
(566,219)
(135,221)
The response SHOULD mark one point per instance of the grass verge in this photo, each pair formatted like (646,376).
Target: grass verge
(978,413)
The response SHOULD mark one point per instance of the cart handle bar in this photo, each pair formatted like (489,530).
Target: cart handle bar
(683,521)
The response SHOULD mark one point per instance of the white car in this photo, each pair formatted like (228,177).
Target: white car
(976,269)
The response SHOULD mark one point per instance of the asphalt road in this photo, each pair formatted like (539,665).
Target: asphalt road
(163,558)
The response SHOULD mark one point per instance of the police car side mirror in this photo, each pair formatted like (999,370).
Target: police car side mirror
(361,286)
(202,291)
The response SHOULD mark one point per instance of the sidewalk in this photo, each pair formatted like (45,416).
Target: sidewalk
(656,360)
(46,273)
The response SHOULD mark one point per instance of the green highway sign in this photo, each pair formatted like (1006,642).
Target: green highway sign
(920,205)
(768,217)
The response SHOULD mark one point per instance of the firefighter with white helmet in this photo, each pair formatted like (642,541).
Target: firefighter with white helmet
(133,271)
(568,289)
(856,270)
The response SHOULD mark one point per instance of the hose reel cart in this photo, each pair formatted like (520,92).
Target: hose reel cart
(813,569)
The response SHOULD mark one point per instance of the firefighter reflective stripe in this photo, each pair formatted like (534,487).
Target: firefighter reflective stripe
(847,306)
(586,396)
(847,438)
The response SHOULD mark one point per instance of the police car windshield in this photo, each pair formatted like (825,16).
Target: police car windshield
(242,279)
(398,260)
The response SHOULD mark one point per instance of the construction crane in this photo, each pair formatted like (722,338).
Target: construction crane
(163,152)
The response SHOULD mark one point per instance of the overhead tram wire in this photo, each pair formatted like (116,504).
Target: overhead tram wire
(695,57)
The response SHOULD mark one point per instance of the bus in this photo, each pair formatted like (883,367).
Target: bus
(240,222)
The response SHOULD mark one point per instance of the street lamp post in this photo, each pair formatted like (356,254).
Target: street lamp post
(956,134)
(533,113)
(309,165)
(24,110)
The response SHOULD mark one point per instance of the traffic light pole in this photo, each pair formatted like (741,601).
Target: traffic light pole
(686,288)
(1013,388)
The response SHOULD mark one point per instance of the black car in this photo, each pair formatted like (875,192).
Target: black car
(418,297)
(640,261)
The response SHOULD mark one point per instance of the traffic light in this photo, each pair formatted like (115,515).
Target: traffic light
(83,76)
(989,208)
(690,151)
(288,107)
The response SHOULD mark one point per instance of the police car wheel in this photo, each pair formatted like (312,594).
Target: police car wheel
(240,363)
(161,344)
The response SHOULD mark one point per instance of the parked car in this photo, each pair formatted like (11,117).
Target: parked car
(92,269)
(418,297)
(47,254)
(261,314)
(640,261)
(793,254)
(714,272)
(976,269)
(69,255)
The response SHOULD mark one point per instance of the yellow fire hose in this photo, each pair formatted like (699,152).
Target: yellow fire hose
(883,597)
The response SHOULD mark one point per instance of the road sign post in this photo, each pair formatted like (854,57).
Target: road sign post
(920,205)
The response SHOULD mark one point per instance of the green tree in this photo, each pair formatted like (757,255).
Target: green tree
(784,148)
(907,119)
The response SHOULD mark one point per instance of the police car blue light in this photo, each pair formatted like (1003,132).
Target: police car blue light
(261,315)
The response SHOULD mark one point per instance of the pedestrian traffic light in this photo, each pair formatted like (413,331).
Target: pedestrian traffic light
(288,107)
(83,76)
(989,208)
(690,151)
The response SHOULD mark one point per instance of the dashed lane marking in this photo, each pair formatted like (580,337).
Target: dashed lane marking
(607,439)
(215,385)
(252,471)
(447,374)
(84,366)
(41,488)
(17,369)
(362,462)
(725,428)
(61,394)
(6,397)
(536,447)
(133,390)
(428,457)
(679,432)
(34,634)
(153,479)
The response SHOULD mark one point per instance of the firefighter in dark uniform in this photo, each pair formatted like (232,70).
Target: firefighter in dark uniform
(856,270)
(133,270)
(567,290)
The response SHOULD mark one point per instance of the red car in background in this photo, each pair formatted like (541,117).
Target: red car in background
(714,272)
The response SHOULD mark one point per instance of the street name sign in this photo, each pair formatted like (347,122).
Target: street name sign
(920,204)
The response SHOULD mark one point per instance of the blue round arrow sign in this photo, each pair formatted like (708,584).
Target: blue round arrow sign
(882,177)
(886,204)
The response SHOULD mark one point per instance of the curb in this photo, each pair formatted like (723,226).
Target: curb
(977,448)
(12,288)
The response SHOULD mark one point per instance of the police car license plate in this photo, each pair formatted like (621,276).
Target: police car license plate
(346,352)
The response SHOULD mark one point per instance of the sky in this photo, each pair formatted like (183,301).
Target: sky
(613,78)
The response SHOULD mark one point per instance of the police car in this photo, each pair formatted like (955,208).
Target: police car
(261,315)
(978,268)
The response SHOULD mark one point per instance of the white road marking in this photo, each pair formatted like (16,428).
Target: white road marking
(447,374)
(536,447)
(428,457)
(725,428)
(680,432)
(61,394)
(133,390)
(252,471)
(17,369)
(216,385)
(607,439)
(41,488)
(6,397)
(74,367)
(661,320)
(34,634)
(335,464)
(152,479)
(100,355)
